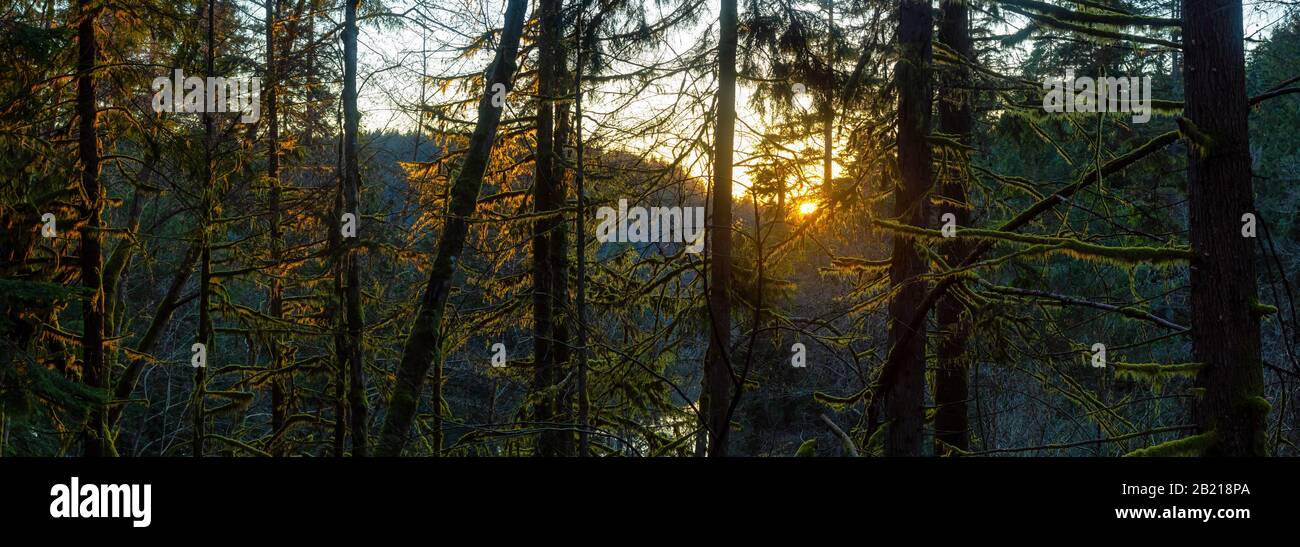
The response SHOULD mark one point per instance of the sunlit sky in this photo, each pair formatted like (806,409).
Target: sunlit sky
(384,95)
(387,96)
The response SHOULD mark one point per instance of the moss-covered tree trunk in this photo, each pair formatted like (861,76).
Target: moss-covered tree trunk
(339,321)
(351,204)
(423,343)
(717,365)
(548,197)
(199,428)
(1225,326)
(904,398)
(951,389)
(95,439)
(562,336)
(580,242)
(279,405)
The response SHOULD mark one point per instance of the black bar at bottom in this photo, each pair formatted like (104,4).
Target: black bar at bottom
(597,498)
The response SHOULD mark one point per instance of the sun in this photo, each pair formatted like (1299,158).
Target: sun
(807,207)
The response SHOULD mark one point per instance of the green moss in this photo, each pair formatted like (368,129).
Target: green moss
(1262,310)
(875,445)
(848,264)
(1166,107)
(1113,19)
(1155,373)
(1136,313)
(808,449)
(1103,28)
(1072,247)
(1259,404)
(1194,445)
(1203,142)
(838,404)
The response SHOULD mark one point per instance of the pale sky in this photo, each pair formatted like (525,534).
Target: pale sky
(393,54)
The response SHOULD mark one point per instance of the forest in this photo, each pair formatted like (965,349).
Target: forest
(649,228)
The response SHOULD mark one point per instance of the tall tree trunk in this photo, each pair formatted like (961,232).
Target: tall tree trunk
(423,344)
(548,197)
(199,431)
(279,405)
(95,439)
(351,203)
(339,320)
(828,104)
(584,404)
(561,343)
(1225,324)
(951,389)
(717,366)
(313,89)
(904,401)
(338,314)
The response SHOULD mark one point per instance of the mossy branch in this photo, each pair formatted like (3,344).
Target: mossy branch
(1127,311)
(1110,19)
(839,403)
(1086,30)
(1102,7)
(917,323)
(1262,310)
(240,445)
(1155,373)
(1202,141)
(1073,247)
(1194,445)
(856,265)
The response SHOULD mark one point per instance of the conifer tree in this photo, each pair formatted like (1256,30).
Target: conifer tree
(351,192)
(718,369)
(904,400)
(1225,307)
(951,389)
(96,441)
